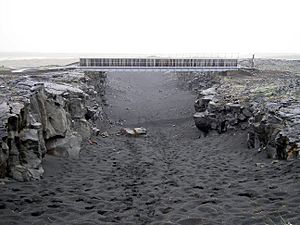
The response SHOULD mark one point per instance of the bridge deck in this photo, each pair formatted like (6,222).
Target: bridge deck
(157,64)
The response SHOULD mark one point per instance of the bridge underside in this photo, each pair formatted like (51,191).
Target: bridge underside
(157,64)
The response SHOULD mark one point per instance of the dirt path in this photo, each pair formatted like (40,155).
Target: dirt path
(169,177)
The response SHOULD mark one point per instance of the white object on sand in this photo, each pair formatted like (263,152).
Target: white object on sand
(140,131)
(134,131)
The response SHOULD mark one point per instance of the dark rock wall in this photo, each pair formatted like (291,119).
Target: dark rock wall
(258,104)
(212,113)
(50,117)
(276,131)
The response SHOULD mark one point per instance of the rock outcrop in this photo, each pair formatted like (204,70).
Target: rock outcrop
(266,103)
(42,114)
(276,130)
(213,113)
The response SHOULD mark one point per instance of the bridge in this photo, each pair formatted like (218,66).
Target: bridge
(158,64)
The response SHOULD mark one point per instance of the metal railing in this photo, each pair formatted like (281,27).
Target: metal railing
(157,63)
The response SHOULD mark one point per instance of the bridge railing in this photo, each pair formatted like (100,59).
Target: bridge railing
(157,63)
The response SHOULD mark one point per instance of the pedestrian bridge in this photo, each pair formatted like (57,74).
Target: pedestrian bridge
(158,64)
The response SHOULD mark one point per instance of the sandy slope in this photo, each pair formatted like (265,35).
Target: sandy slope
(169,177)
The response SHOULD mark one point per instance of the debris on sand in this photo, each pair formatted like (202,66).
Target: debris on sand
(96,131)
(105,134)
(260,165)
(92,142)
(140,131)
(134,131)
(127,131)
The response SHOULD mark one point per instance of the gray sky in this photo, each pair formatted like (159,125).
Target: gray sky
(155,26)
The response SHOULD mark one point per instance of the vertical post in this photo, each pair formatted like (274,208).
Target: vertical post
(252,62)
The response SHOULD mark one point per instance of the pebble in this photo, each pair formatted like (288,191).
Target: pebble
(261,165)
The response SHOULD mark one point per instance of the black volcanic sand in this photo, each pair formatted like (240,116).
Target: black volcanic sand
(169,177)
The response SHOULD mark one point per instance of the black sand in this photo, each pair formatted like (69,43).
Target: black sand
(169,177)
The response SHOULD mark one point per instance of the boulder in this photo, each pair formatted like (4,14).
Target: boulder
(204,121)
(68,146)
(20,173)
(57,124)
(202,103)
(82,127)
(140,131)
(91,113)
(246,112)
(75,108)
(214,107)
(134,132)
(233,107)
(23,173)
(209,91)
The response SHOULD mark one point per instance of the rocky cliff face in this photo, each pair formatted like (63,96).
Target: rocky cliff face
(266,103)
(275,129)
(49,113)
(212,113)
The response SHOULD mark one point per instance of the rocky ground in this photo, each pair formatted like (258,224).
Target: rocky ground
(169,176)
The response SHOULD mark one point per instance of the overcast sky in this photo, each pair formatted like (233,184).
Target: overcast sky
(154,26)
